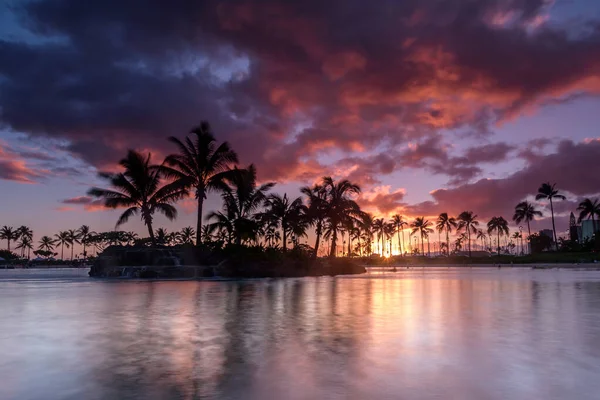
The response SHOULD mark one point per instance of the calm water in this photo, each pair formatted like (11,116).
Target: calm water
(445,334)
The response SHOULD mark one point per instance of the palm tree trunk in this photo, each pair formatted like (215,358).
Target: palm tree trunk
(428,248)
(72,248)
(333,243)
(447,242)
(8,242)
(553,226)
(199,219)
(318,232)
(469,238)
(422,245)
(62,251)
(498,232)
(349,244)
(151,232)
(284,246)
(403,243)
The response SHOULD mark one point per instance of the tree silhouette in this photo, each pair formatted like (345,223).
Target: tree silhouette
(139,189)
(446,223)
(242,198)
(499,225)
(201,165)
(421,225)
(340,207)
(9,234)
(548,191)
(46,244)
(399,224)
(467,221)
(379,228)
(288,214)
(316,211)
(63,239)
(589,209)
(525,211)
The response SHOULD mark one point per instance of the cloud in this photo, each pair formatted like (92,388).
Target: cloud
(14,168)
(571,167)
(299,79)
(381,200)
(88,203)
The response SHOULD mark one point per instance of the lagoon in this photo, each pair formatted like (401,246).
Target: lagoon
(424,333)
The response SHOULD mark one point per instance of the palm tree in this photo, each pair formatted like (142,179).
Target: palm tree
(223,225)
(73,238)
(139,189)
(589,209)
(84,234)
(549,191)
(365,225)
(389,230)
(481,236)
(26,235)
(25,244)
(162,237)
(186,236)
(468,221)
(444,222)
(340,207)
(399,224)
(525,211)
(500,225)
(272,236)
(517,236)
(421,225)
(201,165)
(206,234)
(317,210)
(63,239)
(9,234)
(46,244)
(379,229)
(242,198)
(281,211)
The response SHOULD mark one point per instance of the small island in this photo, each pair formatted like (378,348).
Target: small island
(191,262)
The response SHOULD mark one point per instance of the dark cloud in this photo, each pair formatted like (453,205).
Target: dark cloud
(287,81)
(571,167)
(14,168)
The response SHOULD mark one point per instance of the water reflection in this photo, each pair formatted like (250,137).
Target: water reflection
(482,334)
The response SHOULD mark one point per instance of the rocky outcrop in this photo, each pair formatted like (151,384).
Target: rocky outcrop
(165,263)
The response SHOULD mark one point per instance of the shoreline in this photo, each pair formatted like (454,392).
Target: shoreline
(546,265)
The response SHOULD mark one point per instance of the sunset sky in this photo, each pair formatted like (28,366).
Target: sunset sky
(429,105)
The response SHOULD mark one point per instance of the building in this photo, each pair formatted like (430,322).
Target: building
(573,229)
(587,229)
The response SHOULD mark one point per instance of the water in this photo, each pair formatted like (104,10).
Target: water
(443,334)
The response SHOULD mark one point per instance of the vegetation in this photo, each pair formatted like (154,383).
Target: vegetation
(467,221)
(139,190)
(200,165)
(548,191)
(252,216)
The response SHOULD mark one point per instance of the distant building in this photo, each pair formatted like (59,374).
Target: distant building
(573,229)
(587,229)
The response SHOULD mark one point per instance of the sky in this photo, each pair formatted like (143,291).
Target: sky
(430,106)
